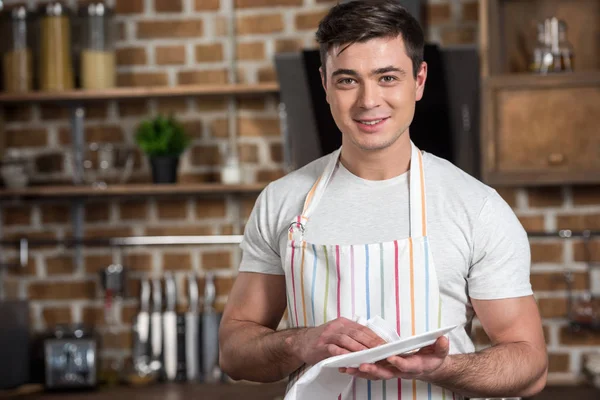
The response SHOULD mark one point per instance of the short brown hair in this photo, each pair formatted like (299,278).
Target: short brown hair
(361,20)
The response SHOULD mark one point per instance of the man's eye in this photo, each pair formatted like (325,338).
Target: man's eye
(346,81)
(388,78)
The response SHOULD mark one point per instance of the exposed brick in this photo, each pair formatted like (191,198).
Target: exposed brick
(177,262)
(62,290)
(49,163)
(60,265)
(209,52)
(138,261)
(532,223)
(266,3)
(227,229)
(207,5)
(193,128)
(199,177)
(276,152)
(32,137)
(209,208)
(96,263)
(247,203)
(459,35)
(186,28)
(133,210)
(133,79)
(97,212)
(288,45)
(58,112)
(55,213)
(16,215)
(56,315)
(129,313)
(216,260)
(133,288)
(437,13)
(172,208)
(221,26)
(172,105)
(120,340)
(555,281)
(547,252)
(553,308)
(19,270)
(586,195)
(121,31)
(592,253)
(211,104)
(219,128)
(17,112)
(93,233)
(168,5)
(508,194)
(559,362)
(223,285)
(205,155)
(578,222)
(99,134)
(179,230)
(40,235)
(132,56)
(267,74)
(470,11)
(250,51)
(252,104)
(309,20)
(248,153)
(129,6)
(202,77)
(545,197)
(170,55)
(583,338)
(93,316)
(259,24)
(259,127)
(269,175)
(133,108)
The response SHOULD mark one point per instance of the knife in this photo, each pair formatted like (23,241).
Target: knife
(156,320)
(170,328)
(210,332)
(192,321)
(142,327)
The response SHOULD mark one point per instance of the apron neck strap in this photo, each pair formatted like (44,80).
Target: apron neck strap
(417,206)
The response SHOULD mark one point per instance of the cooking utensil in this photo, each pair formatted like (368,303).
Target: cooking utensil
(141,353)
(156,321)
(170,328)
(210,332)
(192,321)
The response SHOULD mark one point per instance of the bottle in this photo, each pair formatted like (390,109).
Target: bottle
(565,48)
(56,59)
(97,59)
(17,65)
(538,51)
(548,56)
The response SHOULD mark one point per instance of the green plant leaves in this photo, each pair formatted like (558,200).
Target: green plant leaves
(162,136)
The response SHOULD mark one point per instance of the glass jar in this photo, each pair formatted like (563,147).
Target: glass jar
(97,58)
(17,63)
(56,58)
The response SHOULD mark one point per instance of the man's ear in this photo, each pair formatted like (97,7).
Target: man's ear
(420,81)
(324,82)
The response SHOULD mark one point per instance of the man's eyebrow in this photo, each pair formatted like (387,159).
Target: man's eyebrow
(378,71)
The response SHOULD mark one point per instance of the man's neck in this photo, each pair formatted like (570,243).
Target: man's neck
(379,164)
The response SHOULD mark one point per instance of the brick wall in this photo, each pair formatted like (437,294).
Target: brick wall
(170,42)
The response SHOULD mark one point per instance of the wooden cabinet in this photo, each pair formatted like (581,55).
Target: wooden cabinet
(539,129)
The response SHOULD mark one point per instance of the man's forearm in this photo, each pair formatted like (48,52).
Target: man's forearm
(513,369)
(256,353)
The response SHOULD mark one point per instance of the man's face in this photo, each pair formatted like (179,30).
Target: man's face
(372,92)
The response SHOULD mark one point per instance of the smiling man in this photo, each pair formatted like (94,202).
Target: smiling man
(381,229)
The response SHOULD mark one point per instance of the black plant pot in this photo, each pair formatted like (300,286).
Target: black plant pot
(164,169)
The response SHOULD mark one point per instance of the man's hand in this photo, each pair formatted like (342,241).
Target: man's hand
(340,336)
(420,365)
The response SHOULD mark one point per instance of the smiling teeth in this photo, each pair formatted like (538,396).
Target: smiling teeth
(371,122)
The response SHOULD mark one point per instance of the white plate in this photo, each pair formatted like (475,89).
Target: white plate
(401,346)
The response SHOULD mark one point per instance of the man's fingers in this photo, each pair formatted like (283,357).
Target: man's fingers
(347,342)
(336,350)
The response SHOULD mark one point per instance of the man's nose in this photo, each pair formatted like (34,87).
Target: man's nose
(369,97)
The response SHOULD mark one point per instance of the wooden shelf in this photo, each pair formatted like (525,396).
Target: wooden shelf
(41,192)
(140,92)
(535,81)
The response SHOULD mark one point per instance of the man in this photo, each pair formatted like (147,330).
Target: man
(380,228)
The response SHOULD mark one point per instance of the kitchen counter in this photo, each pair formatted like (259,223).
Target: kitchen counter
(171,391)
(579,392)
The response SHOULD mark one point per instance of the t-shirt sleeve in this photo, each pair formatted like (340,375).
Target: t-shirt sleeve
(501,262)
(260,252)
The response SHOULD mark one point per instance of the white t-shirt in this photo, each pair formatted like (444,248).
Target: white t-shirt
(479,248)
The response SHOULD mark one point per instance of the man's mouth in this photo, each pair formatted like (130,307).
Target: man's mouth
(371,121)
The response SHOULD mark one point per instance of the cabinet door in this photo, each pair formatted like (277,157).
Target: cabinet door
(544,135)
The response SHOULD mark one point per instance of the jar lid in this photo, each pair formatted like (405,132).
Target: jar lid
(94,9)
(17,12)
(54,9)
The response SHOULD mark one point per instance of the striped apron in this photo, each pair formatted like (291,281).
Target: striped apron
(395,280)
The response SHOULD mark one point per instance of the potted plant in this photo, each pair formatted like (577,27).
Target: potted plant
(163,139)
